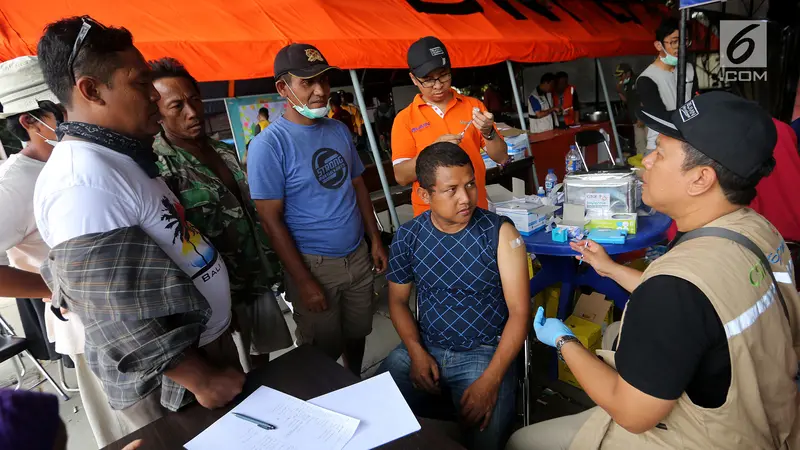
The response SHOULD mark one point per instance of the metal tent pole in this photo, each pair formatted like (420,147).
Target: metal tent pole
(682,58)
(608,105)
(373,146)
(522,123)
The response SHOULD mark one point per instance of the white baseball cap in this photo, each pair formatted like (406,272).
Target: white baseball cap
(22,86)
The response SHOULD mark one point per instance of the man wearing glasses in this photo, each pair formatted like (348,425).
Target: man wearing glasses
(440,114)
(657,85)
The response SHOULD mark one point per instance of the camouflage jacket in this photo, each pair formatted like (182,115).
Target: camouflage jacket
(233,228)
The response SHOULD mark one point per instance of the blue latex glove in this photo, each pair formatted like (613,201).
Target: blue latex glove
(549,330)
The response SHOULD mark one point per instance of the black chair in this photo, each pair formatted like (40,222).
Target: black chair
(586,138)
(11,347)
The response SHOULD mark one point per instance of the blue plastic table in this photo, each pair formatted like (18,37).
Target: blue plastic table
(559,264)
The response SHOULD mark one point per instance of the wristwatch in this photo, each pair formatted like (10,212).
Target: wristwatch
(563,340)
(491,136)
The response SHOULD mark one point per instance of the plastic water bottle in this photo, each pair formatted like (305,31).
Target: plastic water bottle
(550,181)
(572,160)
(540,192)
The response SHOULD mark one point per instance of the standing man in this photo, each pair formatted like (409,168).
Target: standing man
(473,298)
(339,113)
(566,99)
(212,187)
(306,181)
(626,88)
(541,112)
(153,293)
(657,85)
(440,114)
(352,108)
(707,353)
(32,114)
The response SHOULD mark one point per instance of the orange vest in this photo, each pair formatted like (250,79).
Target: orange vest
(565,101)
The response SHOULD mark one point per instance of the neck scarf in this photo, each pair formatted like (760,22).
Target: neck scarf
(137,150)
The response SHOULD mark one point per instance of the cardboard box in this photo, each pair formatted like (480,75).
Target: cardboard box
(548,299)
(593,313)
(591,336)
(528,218)
(619,221)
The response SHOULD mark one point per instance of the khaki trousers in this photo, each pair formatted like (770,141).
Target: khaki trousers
(555,434)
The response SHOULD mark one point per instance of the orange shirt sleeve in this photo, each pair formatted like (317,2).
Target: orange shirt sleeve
(403,145)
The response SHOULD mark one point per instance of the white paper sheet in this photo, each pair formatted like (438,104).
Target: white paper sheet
(300,426)
(378,403)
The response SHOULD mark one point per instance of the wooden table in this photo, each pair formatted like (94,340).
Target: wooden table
(305,373)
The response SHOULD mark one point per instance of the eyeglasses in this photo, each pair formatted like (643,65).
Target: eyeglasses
(76,47)
(431,82)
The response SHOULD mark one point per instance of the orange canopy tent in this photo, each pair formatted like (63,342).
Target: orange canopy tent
(238,39)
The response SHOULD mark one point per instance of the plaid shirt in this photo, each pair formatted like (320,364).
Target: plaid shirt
(141,311)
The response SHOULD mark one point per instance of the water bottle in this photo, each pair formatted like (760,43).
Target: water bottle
(540,192)
(572,160)
(550,181)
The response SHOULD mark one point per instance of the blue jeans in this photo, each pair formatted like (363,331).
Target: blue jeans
(457,371)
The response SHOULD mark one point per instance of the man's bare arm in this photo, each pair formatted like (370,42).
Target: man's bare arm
(402,318)
(405,173)
(271,214)
(16,283)
(513,265)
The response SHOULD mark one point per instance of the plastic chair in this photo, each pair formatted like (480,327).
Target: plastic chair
(586,138)
(12,346)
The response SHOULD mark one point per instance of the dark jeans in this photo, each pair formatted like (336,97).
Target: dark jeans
(457,371)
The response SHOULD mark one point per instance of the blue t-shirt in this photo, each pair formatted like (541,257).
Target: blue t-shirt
(461,302)
(311,169)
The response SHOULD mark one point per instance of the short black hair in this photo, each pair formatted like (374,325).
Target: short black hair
(546,78)
(264,112)
(440,154)
(347,97)
(171,68)
(667,27)
(97,57)
(560,75)
(45,107)
(738,190)
(336,99)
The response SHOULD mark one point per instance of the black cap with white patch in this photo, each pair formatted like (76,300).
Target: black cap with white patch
(427,55)
(736,133)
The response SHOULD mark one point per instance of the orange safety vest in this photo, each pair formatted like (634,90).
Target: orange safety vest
(565,101)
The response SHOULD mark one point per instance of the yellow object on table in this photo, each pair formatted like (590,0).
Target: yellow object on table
(636,161)
(591,336)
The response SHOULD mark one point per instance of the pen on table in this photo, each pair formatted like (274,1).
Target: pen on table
(585,246)
(264,425)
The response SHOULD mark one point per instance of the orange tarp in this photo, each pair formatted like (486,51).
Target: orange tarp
(238,39)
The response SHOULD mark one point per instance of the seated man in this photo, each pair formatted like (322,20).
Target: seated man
(471,274)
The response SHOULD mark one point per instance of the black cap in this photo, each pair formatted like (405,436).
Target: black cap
(300,60)
(736,133)
(427,55)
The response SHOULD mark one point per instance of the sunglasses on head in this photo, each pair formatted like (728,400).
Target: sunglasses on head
(87,24)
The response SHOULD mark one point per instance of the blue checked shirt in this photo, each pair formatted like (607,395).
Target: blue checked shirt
(461,302)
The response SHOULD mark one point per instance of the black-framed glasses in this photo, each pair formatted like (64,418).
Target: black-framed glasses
(431,82)
(87,24)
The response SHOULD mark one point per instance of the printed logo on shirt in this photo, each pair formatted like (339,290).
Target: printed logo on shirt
(201,254)
(688,111)
(330,168)
(421,127)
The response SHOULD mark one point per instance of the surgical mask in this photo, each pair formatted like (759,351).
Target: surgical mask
(669,60)
(626,81)
(49,141)
(305,111)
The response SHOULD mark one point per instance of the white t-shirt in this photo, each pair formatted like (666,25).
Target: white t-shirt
(22,246)
(87,188)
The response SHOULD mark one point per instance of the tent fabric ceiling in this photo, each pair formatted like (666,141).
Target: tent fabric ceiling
(238,39)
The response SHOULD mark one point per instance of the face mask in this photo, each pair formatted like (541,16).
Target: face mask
(669,60)
(48,141)
(305,111)
(626,81)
